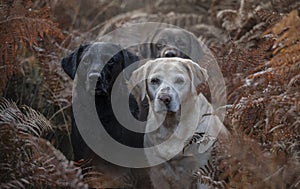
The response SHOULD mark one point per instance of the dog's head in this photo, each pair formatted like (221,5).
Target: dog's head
(167,82)
(100,63)
(171,42)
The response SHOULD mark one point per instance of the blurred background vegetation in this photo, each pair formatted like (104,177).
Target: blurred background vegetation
(256,44)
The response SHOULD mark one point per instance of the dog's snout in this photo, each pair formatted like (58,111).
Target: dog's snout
(94,76)
(165,89)
(165,98)
(170,53)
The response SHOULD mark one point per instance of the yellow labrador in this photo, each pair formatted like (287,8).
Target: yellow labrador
(176,112)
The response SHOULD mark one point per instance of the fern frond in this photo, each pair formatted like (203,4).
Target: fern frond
(210,35)
(21,28)
(284,6)
(183,20)
(286,32)
(27,119)
(246,164)
(28,161)
(206,176)
(270,17)
(287,57)
(250,38)
(239,20)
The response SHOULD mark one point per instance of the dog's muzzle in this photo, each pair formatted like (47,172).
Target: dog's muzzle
(101,88)
(170,53)
(164,98)
(167,102)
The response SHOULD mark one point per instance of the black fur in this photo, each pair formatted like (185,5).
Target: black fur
(105,81)
(71,62)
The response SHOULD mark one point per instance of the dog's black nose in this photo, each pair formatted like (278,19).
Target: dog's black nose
(170,53)
(94,76)
(165,98)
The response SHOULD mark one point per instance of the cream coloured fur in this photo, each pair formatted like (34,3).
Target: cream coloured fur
(176,112)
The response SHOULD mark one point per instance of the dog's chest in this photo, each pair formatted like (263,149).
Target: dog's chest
(164,131)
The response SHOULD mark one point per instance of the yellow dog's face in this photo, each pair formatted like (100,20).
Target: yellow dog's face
(168,82)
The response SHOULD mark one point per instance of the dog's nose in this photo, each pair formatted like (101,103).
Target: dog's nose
(165,98)
(94,76)
(170,53)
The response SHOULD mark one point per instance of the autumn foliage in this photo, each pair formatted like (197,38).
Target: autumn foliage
(256,44)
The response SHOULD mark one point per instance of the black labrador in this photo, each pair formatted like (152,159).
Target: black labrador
(100,65)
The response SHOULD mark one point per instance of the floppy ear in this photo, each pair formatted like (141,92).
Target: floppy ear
(138,81)
(196,50)
(144,50)
(129,58)
(197,74)
(71,62)
(147,49)
(126,61)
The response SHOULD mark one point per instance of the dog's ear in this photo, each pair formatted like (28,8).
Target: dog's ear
(138,81)
(144,50)
(197,74)
(196,48)
(70,63)
(128,59)
(148,48)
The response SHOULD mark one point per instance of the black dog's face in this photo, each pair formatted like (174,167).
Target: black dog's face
(168,42)
(100,66)
(100,63)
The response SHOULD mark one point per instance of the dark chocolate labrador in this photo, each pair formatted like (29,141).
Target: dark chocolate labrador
(171,42)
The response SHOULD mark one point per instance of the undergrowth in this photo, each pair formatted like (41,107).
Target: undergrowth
(256,44)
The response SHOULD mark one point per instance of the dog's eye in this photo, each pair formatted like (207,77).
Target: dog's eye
(160,44)
(155,81)
(111,62)
(116,58)
(86,61)
(179,80)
